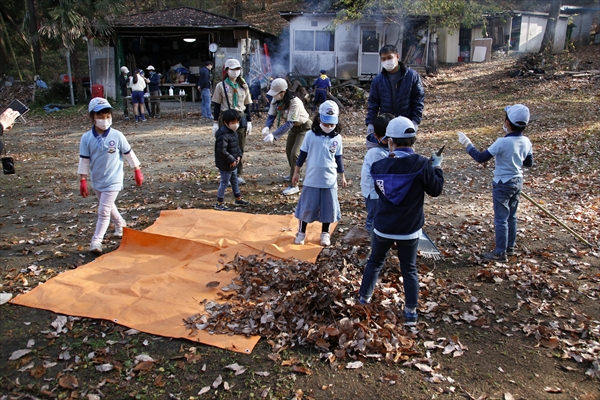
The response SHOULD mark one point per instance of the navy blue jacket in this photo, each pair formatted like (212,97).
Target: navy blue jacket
(154,84)
(227,148)
(204,78)
(401,183)
(410,96)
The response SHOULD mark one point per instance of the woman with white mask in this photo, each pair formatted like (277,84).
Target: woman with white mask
(291,117)
(233,93)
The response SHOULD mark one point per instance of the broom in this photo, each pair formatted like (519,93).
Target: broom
(427,248)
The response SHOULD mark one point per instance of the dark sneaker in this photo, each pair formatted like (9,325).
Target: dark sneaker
(241,202)
(510,251)
(495,256)
(410,319)
(221,207)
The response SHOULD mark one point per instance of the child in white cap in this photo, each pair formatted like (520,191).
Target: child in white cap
(101,153)
(513,152)
(322,151)
(401,181)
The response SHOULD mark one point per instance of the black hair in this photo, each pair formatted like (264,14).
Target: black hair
(513,127)
(287,98)
(208,63)
(388,48)
(103,111)
(135,75)
(380,123)
(404,142)
(230,116)
(316,127)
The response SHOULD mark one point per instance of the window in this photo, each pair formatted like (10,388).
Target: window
(313,40)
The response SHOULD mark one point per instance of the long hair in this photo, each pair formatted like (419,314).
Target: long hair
(287,98)
(136,73)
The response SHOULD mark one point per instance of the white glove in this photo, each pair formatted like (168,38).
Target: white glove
(249,128)
(215,128)
(463,139)
(265,131)
(370,129)
(436,161)
(269,138)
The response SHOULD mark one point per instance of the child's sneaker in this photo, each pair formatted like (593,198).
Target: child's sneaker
(325,239)
(300,236)
(96,247)
(221,207)
(143,118)
(410,319)
(119,228)
(241,181)
(241,202)
(495,256)
(510,251)
(290,190)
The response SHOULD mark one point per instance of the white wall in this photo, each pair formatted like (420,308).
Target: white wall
(309,63)
(448,49)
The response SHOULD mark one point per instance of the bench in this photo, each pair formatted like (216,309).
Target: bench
(165,97)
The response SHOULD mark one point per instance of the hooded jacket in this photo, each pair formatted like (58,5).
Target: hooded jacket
(227,148)
(401,183)
(410,96)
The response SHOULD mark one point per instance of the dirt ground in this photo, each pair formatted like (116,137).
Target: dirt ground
(526,329)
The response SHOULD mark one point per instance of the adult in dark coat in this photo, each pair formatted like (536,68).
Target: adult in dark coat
(204,87)
(123,81)
(397,90)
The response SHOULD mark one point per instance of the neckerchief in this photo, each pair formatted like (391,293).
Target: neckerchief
(279,112)
(323,76)
(235,87)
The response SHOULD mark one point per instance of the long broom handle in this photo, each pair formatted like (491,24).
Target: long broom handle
(556,219)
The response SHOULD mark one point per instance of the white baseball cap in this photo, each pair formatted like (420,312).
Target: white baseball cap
(97,104)
(518,115)
(329,112)
(150,68)
(124,70)
(400,128)
(232,63)
(278,85)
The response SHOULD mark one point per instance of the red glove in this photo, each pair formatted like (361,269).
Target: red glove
(83,188)
(139,178)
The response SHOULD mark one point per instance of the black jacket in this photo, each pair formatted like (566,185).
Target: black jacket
(123,80)
(204,79)
(227,148)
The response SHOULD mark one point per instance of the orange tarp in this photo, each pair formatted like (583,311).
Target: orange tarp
(157,278)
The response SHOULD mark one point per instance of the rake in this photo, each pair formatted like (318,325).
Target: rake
(427,248)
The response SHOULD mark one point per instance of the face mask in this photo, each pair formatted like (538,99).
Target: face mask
(104,124)
(233,74)
(389,65)
(279,96)
(234,127)
(326,129)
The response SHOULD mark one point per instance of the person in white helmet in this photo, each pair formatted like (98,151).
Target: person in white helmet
(233,93)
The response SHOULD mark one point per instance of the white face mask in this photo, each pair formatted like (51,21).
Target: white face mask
(326,129)
(233,74)
(233,127)
(104,124)
(279,96)
(389,65)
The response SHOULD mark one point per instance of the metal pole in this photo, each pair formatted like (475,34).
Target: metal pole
(556,219)
(70,77)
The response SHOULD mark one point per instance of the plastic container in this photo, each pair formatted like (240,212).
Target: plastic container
(97,91)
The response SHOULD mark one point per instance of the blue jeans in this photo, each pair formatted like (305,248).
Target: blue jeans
(506,201)
(407,254)
(372,207)
(228,177)
(205,108)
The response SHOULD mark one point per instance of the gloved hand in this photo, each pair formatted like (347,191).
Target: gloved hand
(248,128)
(436,161)
(215,128)
(370,129)
(139,178)
(269,138)
(265,131)
(463,139)
(83,190)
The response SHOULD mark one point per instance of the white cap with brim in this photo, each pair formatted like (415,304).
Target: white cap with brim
(232,63)
(278,85)
(98,104)
(124,70)
(329,112)
(518,115)
(400,128)
(150,68)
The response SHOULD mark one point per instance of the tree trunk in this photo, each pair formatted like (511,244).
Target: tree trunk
(33,36)
(550,33)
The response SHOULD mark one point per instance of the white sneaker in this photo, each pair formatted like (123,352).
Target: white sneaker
(287,178)
(325,239)
(119,228)
(96,247)
(291,190)
(241,181)
(300,238)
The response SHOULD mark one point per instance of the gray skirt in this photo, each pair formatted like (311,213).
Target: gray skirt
(318,204)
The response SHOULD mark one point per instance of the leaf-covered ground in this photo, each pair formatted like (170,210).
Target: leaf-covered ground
(528,328)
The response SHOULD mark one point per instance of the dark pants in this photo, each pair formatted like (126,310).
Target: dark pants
(292,148)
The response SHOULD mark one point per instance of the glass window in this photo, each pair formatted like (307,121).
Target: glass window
(304,40)
(324,41)
(370,42)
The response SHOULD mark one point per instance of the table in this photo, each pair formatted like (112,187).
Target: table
(176,97)
(186,86)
